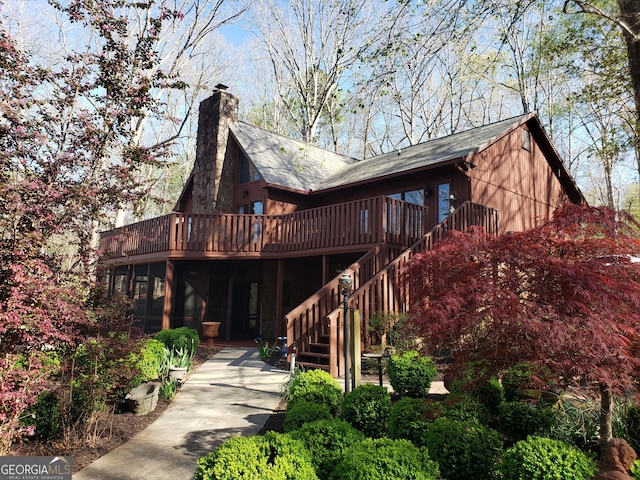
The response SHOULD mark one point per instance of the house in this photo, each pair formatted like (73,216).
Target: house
(265,225)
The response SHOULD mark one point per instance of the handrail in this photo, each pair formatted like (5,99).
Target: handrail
(363,222)
(375,289)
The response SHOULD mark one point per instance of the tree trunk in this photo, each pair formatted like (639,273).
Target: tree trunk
(606,411)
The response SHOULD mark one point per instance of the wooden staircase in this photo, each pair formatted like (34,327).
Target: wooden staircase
(314,328)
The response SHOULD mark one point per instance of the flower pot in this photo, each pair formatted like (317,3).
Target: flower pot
(178,374)
(144,398)
(210,331)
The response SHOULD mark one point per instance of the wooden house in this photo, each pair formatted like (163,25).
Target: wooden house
(266,224)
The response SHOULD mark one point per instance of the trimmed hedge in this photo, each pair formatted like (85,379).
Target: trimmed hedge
(464,450)
(327,441)
(386,459)
(539,458)
(316,386)
(302,412)
(406,420)
(182,338)
(519,419)
(411,374)
(273,456)
(368,408)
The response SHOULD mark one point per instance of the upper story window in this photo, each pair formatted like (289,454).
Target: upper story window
(526,140)
(414,196)
(246,171)
(444,201)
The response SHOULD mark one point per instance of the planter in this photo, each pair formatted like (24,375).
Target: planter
(210,331)
(178,374)
(144,398)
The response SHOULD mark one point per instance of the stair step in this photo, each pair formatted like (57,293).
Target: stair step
(312,355)
(312,366)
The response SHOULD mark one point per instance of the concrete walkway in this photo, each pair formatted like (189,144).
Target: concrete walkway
(233,393)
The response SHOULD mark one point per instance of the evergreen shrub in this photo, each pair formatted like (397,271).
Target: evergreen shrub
(386,459)
(316,386)
(411,374)
(406,420)
(538,458)
(45,415)
(525,376)
(368,408)
(302,412)
(182,338)
(150,359)
(465,408)
(520,419)
(273,456)
(464,450)
(327,441)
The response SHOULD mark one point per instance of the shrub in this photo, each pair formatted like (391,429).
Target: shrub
(316,386)
(301,412)
(182,338)
(635,470)
(386,459)
(540,458)
(45,416)
(273,456)
(518,420)
(151,358)
(464,450)
(466,409)
(410,374)
(327,441)
(631,426)
(368,408)
(523,376)
(406,420)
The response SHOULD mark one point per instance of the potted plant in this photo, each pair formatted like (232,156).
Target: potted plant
(178,361)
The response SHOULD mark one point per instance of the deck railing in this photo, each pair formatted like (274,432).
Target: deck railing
(364,222)
(375,289)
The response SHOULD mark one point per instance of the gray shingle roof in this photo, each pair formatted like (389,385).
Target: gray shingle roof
(287,162)
(296,165)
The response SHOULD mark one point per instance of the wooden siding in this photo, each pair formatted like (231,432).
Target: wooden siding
(517,182)
(342,227)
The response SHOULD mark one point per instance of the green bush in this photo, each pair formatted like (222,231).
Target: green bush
(464,450)
(368,408)
(525,376)
(386,459)
(406,420)
(327,441)
(302,412)
(182,338)
(518,420)
(465,408)
(316,386)
(273,456)
(410,374)
(631,426)
(635,470)
(151,358)
(45,415)
(540,458)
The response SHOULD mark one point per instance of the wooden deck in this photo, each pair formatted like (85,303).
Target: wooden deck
(351,226)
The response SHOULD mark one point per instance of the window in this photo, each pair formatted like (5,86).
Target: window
(415,197)
(444,191)
(246,172)
(526,140)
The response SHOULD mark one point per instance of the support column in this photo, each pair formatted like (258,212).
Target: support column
(168,295)
(281,329)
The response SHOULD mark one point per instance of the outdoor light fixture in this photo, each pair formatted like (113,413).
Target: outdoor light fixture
(345,283)
(452,202)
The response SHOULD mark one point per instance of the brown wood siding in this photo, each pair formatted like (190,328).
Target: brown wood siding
(518,183)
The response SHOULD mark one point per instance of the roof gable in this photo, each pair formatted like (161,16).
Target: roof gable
(286,162)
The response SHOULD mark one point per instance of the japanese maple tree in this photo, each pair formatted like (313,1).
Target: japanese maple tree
(564,295)
(69,156)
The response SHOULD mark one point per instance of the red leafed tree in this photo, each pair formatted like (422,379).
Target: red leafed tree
(565,295)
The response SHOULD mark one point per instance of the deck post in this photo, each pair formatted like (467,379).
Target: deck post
(168,294)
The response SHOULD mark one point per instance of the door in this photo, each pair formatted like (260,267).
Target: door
(245,314)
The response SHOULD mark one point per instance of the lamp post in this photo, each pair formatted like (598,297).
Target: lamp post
(344,285)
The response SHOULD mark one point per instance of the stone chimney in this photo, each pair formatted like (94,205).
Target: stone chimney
(215,116)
